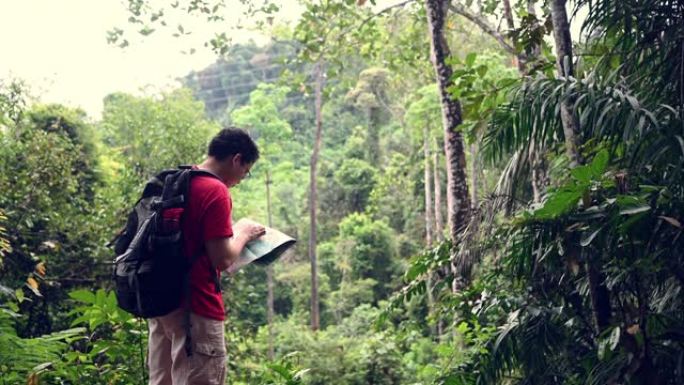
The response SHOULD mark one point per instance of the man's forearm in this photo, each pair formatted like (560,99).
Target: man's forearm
(235,245)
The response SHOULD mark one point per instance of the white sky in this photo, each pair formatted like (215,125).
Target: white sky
(59,48)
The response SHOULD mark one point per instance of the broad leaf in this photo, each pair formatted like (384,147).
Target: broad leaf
(83,296)
(599,164)
(558,204)
(582,174)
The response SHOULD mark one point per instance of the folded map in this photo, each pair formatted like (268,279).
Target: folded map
(263,250)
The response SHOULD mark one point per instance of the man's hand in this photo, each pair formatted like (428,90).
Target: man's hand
(248,230)
(224,251)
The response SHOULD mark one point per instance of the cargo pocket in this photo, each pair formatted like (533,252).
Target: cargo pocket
(208,364)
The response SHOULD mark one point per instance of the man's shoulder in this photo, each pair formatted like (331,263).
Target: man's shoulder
(207,181)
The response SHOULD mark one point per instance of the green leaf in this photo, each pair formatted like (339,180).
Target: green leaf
(631,221)
(299,374)
(614,338)
(80,320)
(146,31)
(558,203)
(65,334)
(587,237)
(628,201)
(602,349)
(674,222)
(111,300)
(635,210)
(650,188)
(96,319)
(83,296)
(100,298)
(19,293)
(470,59)
(280,369)
(41,367)
(415,271)
(512,322)
(582,174)
(452,380)
(599,163)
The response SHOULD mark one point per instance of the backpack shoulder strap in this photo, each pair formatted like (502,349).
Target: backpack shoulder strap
(205,172)
(189,173)
(197,171)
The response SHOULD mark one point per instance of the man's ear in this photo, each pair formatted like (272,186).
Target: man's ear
(237,160)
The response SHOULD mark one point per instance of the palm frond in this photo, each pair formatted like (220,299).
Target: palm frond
(645,35)
(23,355)
(609,109)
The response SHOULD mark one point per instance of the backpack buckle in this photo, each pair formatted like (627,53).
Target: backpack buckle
(173,202)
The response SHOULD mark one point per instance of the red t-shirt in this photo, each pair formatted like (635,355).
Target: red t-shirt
(207,216)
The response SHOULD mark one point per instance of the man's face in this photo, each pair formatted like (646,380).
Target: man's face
(238,170)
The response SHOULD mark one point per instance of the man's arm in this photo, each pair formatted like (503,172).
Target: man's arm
(223,252)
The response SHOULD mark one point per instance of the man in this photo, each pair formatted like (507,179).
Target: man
(207,227)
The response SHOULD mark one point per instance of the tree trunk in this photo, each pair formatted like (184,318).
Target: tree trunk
(315,315)
(508,14)
(428,217)
(537,179)
(599,295)
(561,35)
(535,51)
(439,222)
(374,135)
(520,57)
(538,171)
(536,158)
(598,292)
(458,199)
(428,188)
(431,303)
(269,273)
(473,173)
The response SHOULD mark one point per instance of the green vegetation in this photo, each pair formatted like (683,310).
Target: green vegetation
(561,261)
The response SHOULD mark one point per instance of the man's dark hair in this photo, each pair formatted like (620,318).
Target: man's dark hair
(232,141)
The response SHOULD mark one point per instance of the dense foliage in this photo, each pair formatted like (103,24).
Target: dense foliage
(565,273)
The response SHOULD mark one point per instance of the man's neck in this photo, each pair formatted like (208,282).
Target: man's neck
(212,166)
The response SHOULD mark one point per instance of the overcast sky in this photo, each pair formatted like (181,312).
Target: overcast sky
(59,47)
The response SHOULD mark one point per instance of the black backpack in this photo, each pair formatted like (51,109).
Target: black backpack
(151,270)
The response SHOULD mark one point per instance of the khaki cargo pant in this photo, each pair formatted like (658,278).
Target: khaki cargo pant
(167,361)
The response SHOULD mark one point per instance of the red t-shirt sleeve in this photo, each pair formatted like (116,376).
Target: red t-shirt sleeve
(217,216)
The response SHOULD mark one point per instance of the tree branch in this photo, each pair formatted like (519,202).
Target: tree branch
(508,14)
(385,10)
(481,22)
